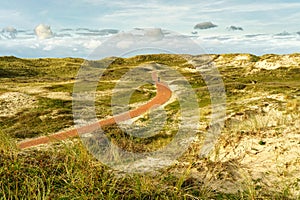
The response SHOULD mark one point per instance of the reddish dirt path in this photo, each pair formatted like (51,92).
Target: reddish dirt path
(162,96)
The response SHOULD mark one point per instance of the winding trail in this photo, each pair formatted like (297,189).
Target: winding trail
(162,96)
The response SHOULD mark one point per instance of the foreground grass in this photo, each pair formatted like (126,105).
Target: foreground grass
(68,171)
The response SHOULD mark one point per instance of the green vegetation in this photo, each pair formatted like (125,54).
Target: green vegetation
(38,70)
(143,93)
(60,87)
(263,118)
(49,116)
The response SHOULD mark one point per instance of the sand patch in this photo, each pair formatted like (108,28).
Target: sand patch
(13,102)
(267,148)
(58,95)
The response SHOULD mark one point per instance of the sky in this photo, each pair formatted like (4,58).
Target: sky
(76,27)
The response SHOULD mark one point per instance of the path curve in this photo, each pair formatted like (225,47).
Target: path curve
(162,96)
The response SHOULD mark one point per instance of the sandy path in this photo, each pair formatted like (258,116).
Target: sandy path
(162,96)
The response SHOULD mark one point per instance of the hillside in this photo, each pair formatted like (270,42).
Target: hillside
(257,154)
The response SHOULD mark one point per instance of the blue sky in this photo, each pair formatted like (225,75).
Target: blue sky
(255,17)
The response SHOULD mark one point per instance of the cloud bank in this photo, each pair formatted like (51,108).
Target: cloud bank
(284,33)
(70,42)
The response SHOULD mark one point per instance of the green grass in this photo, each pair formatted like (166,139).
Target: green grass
(143,93)
(61,88)
(50,116)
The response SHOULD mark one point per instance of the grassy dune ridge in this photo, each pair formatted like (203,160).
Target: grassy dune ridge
(256,157)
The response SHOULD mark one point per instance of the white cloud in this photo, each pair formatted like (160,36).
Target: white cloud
(124,44)
(43,31)
(124,40)
(92,44)
(154,34)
